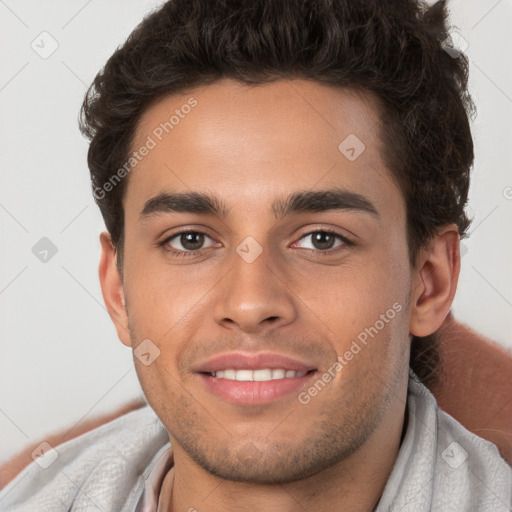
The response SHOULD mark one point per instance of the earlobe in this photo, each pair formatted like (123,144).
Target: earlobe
(435,282)
(112,288)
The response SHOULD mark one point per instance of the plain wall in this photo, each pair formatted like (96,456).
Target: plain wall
(61,360)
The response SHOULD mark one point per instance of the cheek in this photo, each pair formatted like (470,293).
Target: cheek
(163,297)
(370,313)
(160,385)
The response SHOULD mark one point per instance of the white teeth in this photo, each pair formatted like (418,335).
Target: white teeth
(229,374)
(262,375)
(244,375)
(278,374)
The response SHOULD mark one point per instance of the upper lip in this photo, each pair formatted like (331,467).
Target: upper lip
(251,361)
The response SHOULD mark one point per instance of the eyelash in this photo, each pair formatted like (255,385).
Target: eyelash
(186,254)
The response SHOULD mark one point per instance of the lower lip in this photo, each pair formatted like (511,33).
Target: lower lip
(254,392)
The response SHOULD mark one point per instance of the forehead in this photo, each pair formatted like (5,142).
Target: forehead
(246,143)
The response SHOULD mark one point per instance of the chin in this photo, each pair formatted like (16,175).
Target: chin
(274,464)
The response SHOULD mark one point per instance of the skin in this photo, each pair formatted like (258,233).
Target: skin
(249,146)
(476,391)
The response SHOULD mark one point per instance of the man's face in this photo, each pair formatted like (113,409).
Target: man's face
(322,293)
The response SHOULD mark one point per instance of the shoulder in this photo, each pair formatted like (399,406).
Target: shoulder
(467,469)
(475,383)
(100,469)
(443,466)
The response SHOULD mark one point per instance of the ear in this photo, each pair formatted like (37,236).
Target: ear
(435,281)
(112,289)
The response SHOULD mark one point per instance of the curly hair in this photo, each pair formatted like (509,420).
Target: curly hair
(394,50)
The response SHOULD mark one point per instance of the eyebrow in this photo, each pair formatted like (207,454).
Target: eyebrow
(306,201)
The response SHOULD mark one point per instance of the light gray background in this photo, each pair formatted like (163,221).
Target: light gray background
(61,361)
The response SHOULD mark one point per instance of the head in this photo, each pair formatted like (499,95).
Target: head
(289,178)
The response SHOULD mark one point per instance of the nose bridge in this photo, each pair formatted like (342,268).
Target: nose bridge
(252,295)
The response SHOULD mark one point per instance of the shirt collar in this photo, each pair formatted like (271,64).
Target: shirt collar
(154,475)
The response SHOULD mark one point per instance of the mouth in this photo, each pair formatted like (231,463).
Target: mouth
(254,379)
(261,375)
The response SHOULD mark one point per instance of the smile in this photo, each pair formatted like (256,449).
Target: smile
(249,378)
(262,375)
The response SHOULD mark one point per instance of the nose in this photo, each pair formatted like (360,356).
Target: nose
(254,297)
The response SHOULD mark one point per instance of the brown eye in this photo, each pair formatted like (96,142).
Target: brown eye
(322,240)
(185,243)
(191,241)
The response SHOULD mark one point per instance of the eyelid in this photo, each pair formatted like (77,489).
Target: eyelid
(343,233)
